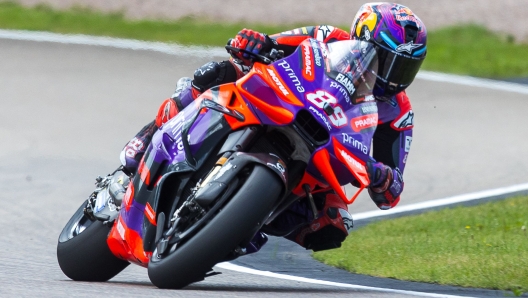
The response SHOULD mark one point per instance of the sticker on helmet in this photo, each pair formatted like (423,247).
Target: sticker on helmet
(408,47)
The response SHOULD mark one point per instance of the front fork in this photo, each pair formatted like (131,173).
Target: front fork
(104,203)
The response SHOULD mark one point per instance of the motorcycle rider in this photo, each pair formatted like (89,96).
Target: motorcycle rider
(399,38)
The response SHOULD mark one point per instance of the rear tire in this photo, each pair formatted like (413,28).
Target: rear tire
(82,251)
(236,221)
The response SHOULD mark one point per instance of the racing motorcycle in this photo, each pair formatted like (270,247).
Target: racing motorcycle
(217,175)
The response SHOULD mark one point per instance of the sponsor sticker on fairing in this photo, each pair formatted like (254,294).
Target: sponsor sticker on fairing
(363,122)
(291,74)
(341,90)
(349,139)
(346,82)
(365,99)
(279,84)
(369,109)
(317,56)
(311,108)
(353,163)
(308,61)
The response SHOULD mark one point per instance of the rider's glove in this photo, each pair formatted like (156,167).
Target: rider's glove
(251,41)
(386,184)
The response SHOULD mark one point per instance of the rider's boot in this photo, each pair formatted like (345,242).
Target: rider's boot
(329,229)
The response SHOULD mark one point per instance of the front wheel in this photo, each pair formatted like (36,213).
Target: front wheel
(82,251)
(236,221)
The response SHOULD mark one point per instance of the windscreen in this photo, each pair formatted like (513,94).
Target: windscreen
(358,62)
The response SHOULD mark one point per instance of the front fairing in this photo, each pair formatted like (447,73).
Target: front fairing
(333,83)
(179,147)
(204,130)
(186,141)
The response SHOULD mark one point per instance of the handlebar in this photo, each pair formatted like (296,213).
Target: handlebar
(271,57)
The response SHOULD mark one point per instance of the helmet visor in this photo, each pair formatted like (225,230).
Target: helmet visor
(396,69)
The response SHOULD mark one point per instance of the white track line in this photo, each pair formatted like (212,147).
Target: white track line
(241,269)
(128,44)
(204,52)
(444,202)
(209,52)
(472,81)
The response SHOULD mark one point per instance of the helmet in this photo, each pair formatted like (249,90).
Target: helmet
(399,37)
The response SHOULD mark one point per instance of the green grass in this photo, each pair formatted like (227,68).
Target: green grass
(469,50)
(186,31)
(473,50)
(484,246)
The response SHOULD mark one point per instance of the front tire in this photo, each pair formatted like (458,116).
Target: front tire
(235,222)
(82,251)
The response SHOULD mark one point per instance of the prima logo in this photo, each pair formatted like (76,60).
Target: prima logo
(348,139)
(291,74)
(341,89)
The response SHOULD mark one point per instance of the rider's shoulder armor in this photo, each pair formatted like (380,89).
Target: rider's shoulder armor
(397,111)
(324,33)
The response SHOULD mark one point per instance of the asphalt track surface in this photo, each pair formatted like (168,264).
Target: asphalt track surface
(67,110)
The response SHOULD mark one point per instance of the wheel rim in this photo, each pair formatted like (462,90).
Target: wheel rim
(77,224)
(79,227)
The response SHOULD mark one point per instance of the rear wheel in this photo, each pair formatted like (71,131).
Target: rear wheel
(241,216)
(82,251)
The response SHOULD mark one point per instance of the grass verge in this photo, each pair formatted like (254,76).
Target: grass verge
(468,50)
(484,246)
